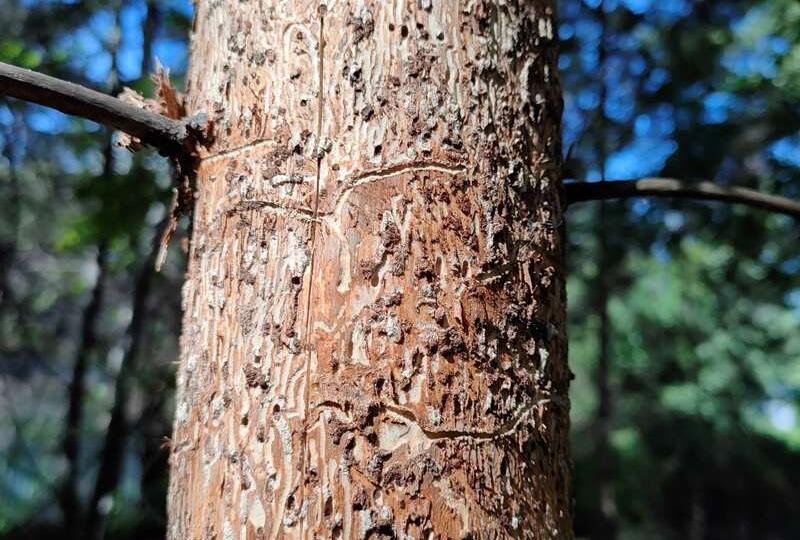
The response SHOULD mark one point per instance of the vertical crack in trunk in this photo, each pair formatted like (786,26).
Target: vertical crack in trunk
(319,154)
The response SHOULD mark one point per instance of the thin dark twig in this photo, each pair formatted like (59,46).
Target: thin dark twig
(681,189)
(164,133)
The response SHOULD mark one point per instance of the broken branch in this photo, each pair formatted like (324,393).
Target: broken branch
(670,187)
(164,133)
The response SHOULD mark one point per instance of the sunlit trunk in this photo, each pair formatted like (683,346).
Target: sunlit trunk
(374,337)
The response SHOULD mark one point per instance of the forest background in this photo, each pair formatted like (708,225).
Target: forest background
(684,316)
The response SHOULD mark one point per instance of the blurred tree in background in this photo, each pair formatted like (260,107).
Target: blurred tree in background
(685,316)
(696,434)
(84,418)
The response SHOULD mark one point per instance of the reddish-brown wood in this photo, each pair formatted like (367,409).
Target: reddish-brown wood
(374,338)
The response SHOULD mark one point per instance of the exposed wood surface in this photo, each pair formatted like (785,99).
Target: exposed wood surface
(374,338)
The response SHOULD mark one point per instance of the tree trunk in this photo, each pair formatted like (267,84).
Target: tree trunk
(111,458)
(69,493)
(374,337)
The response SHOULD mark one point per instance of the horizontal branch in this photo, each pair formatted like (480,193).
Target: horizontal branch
(669,187)
(164,133)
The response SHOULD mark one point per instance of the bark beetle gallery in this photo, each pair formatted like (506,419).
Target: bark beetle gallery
(374,313)
(368,266)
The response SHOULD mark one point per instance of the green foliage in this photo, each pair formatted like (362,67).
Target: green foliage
(114,208)
(64,193)
(705,334)
(14,52)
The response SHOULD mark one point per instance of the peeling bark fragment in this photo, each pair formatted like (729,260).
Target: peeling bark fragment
(167,102)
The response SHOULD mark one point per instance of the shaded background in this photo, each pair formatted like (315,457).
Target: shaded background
(684,316)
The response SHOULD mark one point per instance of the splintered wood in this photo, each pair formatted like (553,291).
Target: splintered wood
(374,340)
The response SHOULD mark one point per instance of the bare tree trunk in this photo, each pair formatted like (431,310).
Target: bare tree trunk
(149,29)
(374,338)
(109,470)
(605,525)
(69,496)
(11,193)
(605,520)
